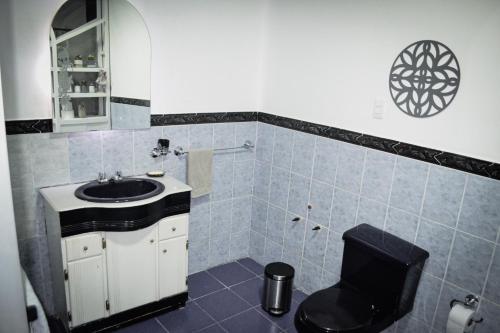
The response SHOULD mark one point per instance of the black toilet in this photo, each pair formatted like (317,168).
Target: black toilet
(379,279)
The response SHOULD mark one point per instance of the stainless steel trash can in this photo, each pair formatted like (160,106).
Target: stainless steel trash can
(278,283)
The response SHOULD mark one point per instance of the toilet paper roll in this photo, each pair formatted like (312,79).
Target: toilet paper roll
(460,319)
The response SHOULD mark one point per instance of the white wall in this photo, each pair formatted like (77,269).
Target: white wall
(327,62)
(25,58)
(205,55)
(318,60)
(130,52)
(12,301)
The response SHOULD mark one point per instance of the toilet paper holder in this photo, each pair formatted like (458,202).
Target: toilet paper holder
(470,301)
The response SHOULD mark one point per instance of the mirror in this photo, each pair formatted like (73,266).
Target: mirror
(101,66)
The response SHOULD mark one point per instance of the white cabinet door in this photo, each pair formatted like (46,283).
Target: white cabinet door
(172,266)
(132,276)
(87,289)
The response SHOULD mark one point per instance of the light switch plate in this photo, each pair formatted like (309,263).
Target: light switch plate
(378,109)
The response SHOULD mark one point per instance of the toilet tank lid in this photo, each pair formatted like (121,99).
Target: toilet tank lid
(386,244)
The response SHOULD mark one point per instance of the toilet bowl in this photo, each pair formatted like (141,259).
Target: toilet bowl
(379,279)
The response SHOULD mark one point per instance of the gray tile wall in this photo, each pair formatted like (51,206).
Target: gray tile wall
(219,224)
(257,194)
(454,215)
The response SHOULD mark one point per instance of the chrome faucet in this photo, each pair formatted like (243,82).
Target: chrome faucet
(117,177)
(101,178)
(161,149)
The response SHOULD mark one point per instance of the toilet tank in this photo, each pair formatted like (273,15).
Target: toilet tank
(382,267)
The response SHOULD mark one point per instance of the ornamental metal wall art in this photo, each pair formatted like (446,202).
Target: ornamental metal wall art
(424,78)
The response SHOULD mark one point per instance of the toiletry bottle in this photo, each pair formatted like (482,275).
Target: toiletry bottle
(82,111)
(78,61)
(84,87)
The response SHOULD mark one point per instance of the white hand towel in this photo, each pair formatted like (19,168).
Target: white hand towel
(200,171)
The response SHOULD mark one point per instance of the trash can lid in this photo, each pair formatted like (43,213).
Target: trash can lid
(279,271)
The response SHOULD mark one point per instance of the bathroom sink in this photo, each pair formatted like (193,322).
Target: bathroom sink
(125,190)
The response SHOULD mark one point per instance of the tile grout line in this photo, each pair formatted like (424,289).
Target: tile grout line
(388,203)
(433,321)
(209,208)
(268,197)
(205,327)
(232,192)
(359,192)
(289,171)
(226,286)
(289,179)
(235,315)
(488,271)
(420,211)
(232,292)
(282,254)
(247,269)
(161,325)
(216,322)
(311,180)
(210,293)
(253,187)
(306,217)
(450,228)
(330,226)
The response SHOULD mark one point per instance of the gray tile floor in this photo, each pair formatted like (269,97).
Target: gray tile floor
(223,299)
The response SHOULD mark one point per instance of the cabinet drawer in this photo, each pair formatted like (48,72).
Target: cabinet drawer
(83,246)
(173,226)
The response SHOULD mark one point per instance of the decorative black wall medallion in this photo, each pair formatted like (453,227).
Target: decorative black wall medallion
(424,78)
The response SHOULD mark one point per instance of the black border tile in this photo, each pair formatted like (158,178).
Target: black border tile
(130,101)
(13,127)
(417,152)
(469,164)
(201,118)
(446,159)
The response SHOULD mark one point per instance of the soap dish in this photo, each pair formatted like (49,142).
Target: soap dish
(156,173)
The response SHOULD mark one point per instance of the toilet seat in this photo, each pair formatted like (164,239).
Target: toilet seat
(335,310)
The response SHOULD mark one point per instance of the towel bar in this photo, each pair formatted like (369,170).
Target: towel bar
(179,151)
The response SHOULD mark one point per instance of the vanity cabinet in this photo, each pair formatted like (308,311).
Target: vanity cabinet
(112,263)
(107,273)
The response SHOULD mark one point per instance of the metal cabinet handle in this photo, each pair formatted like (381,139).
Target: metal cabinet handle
(85,248)
(174,228)
(164,251)
(152,241)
